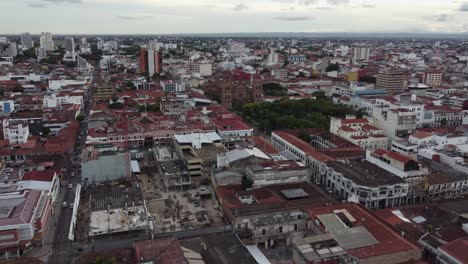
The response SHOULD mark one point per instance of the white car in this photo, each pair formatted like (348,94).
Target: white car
(70,186)
(64,204)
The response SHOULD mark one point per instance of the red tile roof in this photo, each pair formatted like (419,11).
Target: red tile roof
(304,146)
(264,145)
(162,251)
(421,134)
(457,249)
(347,129)
(369,127)
(354,121)
(389,241)
(399,157)
(393,155)
(39,176)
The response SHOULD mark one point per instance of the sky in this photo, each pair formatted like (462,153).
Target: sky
(228,16)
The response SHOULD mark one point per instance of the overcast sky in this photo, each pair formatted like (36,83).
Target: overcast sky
(209,16)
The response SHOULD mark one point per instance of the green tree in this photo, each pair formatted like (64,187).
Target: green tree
(246,183)
(100,260)
(80,118)
(18,89)
(367,79)
(333,67)
(274,89)
(304,136)
(46,131)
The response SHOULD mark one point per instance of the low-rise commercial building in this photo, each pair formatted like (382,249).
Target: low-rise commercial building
(277,172)
(351,235)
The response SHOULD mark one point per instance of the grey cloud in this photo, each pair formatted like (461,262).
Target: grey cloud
(36,5)
(288,9)
(369,5)
(240,7)
(293,18)
(307,2)
(133,17)
(64,1)
(324,8)
(338,2)
(438,18)
(464,7)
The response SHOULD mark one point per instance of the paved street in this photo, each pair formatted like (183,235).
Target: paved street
(62,251)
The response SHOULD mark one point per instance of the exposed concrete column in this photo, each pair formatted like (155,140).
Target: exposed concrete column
(266,244)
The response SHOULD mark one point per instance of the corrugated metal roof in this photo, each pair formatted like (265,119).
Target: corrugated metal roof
(239,154)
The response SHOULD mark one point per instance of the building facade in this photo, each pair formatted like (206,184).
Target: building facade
(392,80)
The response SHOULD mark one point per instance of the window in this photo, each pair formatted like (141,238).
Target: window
(263,232)
(280,229)
(295,227)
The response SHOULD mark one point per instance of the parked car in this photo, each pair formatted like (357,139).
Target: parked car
(64,204)
(70,186)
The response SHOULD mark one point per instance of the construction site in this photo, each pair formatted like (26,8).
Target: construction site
(111,207)
(174,200)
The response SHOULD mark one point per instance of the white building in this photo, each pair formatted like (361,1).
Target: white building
(273,59)
(46,41)
(359,132)
(203,68)
(174,87)
(361,53)
(8,49)
(7,106)
(17,133)
(279,73)
(53,101)
(69,44)
(55,85)
(26,41)
(362,182)
(401,165)
(395,123)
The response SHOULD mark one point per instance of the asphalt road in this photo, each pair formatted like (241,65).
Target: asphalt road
(62,251)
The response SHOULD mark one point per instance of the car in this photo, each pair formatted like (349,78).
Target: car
(70,186)
(73,174)
(64,204)
(71,206)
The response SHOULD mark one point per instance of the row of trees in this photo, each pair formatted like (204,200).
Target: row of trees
(274,89)
(290,114)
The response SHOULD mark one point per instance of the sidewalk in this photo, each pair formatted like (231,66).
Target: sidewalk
(44,251)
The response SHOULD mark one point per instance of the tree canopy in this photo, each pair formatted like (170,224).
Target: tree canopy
(333,67)
(291,114)
(274,89)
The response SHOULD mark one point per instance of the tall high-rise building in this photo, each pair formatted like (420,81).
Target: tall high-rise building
(361,53)
(392,80)
(273,58)
(46,41)
(69,44)
(433,78)
(7,49)
(150,61)
(26,41)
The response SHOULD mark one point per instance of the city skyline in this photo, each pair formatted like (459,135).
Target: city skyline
(209,16)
